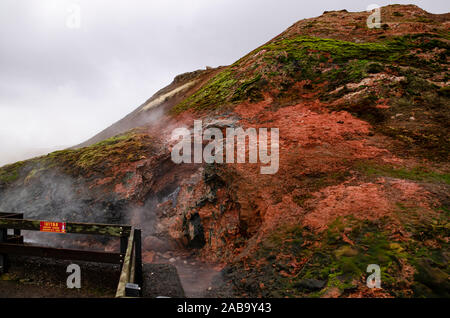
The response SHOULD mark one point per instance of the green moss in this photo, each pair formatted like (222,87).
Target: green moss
(427,134)
(300,199)
(341,51)
(127,147)
(34,173)
(424,20)
(374,68)
(335,261)
(249,89)
(311,183)
(430,261)
(345,251)
(392,50)
(11,172)
(212,94)
(344,266)
(417,173)
(352,72)
(100,157)
(287,61)
(444,91)
(431,144)
(372,246)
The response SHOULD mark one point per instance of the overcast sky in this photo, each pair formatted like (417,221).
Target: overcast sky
(60,85)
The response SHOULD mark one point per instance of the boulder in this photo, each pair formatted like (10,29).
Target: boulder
(310,284)
(152,243)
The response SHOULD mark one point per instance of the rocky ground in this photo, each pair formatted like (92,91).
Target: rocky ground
(34,277)
(363,178)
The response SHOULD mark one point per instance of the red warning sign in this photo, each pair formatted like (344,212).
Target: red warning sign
(54,227)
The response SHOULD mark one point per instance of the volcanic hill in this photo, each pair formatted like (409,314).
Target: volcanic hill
(364,171)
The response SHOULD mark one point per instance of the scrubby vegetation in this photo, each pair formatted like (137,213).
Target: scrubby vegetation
(277,67)
(98,158)
(10,173)
(419,173)
(128,147)
(288,61)
(422,115)
(294,265)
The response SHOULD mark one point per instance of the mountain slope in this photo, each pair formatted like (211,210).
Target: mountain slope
(152,110)
(363,178)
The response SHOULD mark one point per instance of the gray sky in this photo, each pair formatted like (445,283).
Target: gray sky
(61,85)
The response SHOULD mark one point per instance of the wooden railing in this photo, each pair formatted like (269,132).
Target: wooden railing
(131,278)
(129,256)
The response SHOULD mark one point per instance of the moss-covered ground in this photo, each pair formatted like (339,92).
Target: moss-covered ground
(281,64)
(98,158)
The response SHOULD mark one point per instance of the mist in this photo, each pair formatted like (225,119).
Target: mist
(60,84)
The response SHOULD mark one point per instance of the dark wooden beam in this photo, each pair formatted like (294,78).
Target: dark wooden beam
(138,279)
(11,215)
(60,253)
(14,239)
(17,232)
(3,259)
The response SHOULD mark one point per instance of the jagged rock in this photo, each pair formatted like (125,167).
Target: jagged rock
(310,284)
(155,244)
(194,231)
(222,123)
(433,277)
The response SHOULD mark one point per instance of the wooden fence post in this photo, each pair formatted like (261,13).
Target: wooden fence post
(138,251)
(123,247)
(126,268)
(18,232)
(3,257)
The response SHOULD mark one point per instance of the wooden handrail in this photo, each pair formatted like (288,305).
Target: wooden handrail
(71,227)
(130,256)
(11,215)
(126,268)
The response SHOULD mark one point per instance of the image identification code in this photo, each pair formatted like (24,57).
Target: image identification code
(232,307)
